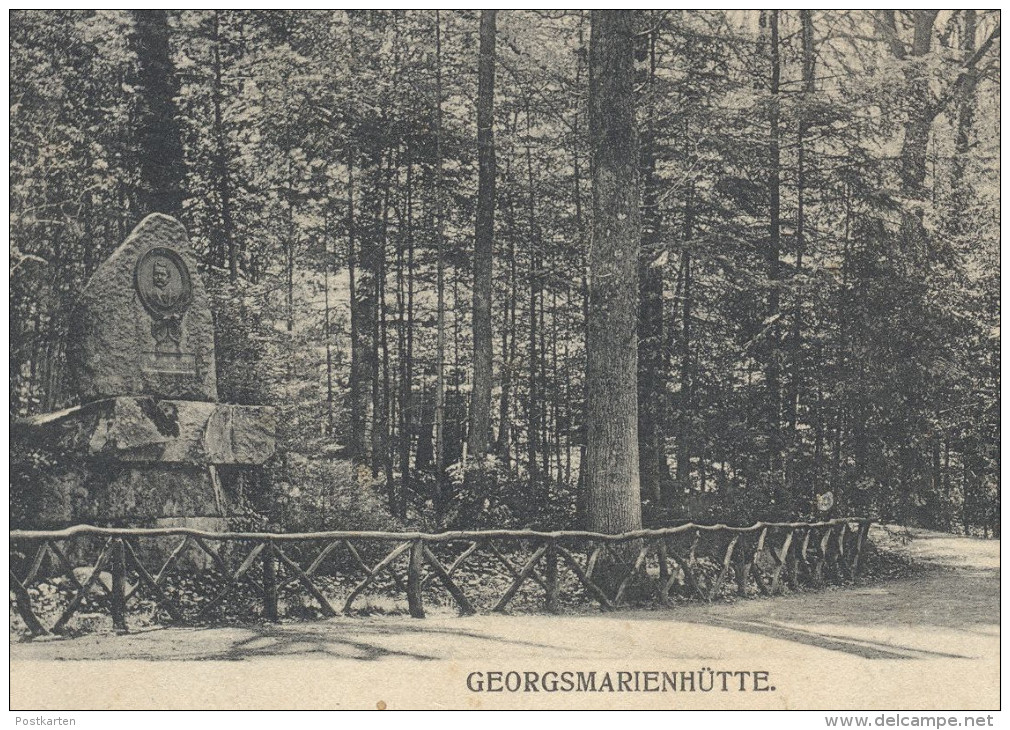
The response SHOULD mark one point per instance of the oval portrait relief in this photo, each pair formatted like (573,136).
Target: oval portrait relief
(163,282)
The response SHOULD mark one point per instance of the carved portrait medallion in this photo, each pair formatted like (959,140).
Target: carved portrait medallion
(163,283)
(166,291)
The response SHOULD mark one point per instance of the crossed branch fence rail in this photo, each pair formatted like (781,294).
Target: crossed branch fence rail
(655,565)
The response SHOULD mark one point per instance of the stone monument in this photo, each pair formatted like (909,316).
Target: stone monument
(142,448)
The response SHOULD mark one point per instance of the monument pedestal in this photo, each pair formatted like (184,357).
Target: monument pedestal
(133,460)
(142,450)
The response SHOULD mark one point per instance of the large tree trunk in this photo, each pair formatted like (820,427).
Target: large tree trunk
(159,141)
(915,145)
(913,239)
(480,406)
(965,118)
(612,486)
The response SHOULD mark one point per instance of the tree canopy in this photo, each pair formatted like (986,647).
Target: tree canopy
(818,301)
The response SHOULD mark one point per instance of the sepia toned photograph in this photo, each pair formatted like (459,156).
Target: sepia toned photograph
(506,359)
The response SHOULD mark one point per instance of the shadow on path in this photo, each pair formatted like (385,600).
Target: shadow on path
(279,641)
(338,638)
(865,648)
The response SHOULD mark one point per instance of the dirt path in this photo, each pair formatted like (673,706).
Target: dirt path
(928,640)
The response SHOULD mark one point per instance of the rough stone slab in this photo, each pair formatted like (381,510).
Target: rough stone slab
(101,493)
(138,429)
(128,336)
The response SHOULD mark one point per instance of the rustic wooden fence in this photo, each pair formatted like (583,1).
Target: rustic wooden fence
(661,566)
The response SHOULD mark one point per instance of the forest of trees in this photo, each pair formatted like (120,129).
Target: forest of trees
(548,268)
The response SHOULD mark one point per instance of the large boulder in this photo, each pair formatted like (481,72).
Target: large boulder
(143,323)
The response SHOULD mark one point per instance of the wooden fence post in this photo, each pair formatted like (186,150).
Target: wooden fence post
(552,599)
(665,579)
(415,604)
(781,558)
(799,567)
(23,603)
(864,528)
(664,568)
(821,559)
(269,582)
(117,596)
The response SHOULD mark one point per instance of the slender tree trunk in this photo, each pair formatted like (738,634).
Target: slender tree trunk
(934,516)
(290,240)
(381,398)
(440,277)
(567,376)
(807,33)
(401,351)
(773,397)
(406,379)
(480,406)
(362,285)
(457,421)
(651,385)
(685,435)
(612,482)
(581,510)
(367,383)
(685,430)
(509,335)
(702,470)
(544,437)
(555,404)
(533,402)
(327,316)
(843,334)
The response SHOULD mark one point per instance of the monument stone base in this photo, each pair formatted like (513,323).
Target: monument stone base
(143,449)
(133,461)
